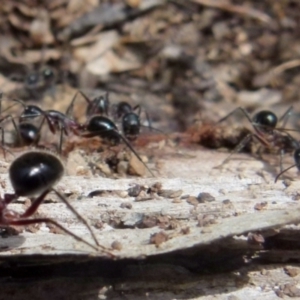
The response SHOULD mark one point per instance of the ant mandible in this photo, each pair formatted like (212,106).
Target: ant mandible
(266,131)
(34,174)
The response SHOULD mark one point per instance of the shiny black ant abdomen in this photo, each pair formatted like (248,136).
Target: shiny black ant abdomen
(34,174)
(106,129)
(103,127)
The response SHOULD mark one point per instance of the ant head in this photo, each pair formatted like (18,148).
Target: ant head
(48,75)
(29,133)
(265,120)
(123,108)
(32,79)
(99,105)
(34,173)
(131,125)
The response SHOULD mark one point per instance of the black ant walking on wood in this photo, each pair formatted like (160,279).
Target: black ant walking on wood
(34,174)
(106,129)
(99,124)
(56,120)
(266,132)
(131,119)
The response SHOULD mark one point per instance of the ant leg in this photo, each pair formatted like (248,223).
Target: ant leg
(239,147)
(4,149)
(243,143)
(138,107)
(60,139)
(79,217)
(37,202)
(285,117)
(108,103)
(281,154)
(290,167)
(8,198)
(134,152)
(246,114)
(14,125)
(47,220)
(35,205)
(70,107)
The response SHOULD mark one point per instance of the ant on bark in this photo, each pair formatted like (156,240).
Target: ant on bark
(266,132)
(99,124)
(56,120)
(106,129)
(131,124)
(100,105)
(34,174)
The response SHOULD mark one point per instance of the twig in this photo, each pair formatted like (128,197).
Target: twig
(237,9)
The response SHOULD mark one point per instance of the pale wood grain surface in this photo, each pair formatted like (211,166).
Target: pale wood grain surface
(244,181)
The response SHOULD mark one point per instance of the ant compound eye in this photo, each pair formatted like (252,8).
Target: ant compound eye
(32,79)
(48,75)
(34,173)
(265,119)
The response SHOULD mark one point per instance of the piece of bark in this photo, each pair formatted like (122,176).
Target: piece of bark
(244,181)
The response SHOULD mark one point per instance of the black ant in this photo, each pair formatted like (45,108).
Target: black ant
(56,120)
(33,174)
(98,106)
(41,79)
(266,132)
(38,79)
(100,125)
(131,124)
(105,128)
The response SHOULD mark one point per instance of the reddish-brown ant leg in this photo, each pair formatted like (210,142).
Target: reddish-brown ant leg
(38,201)
(50,221)
(243,143)
(286,115)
